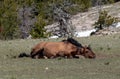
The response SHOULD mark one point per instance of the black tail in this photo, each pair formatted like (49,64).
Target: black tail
(21,55)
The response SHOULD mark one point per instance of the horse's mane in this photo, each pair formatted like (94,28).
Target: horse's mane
(73,41)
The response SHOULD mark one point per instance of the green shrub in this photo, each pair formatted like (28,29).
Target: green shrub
(39,31)
(104,20)
(108,1)
(9,15)
(83,5)
(8,19)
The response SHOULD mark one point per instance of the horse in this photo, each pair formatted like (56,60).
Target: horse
(53,50)
(69,48)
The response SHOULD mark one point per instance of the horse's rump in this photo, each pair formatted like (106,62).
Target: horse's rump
(54,49)
(37,50)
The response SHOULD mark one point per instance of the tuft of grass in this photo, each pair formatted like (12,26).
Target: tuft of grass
(101,48)
(108,48)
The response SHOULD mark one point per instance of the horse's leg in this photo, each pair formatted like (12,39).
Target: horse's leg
(40,57)
(48,55)
(75,56)
(69,56)
(52,57)
(39,54)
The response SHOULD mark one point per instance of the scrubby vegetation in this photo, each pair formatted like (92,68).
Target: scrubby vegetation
(105,20)
(19,17)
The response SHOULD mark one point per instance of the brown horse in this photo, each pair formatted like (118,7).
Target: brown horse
(54,49)
(67,48)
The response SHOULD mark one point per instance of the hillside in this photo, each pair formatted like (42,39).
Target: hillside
(85,20)
(20,19)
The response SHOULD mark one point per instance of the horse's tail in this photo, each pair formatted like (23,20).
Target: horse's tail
(21,55)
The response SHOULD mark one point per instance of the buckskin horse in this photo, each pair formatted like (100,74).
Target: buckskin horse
(66,48)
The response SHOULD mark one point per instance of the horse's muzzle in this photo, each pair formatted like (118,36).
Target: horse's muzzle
(92,57)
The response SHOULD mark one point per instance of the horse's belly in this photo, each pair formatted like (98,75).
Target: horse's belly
(50,53)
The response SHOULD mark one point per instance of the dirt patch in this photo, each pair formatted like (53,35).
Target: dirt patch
(103,56)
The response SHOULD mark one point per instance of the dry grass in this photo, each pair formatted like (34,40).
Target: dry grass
(105,66)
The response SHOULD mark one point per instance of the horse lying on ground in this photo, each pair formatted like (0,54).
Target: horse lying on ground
(54,49)
(69,48)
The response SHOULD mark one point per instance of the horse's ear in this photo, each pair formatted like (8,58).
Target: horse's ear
(86,46)
(89,46)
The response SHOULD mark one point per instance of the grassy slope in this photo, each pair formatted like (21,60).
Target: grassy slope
(105,66)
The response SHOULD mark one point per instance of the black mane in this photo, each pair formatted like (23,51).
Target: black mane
(73,41)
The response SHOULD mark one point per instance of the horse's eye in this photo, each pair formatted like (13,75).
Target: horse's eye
(86,51)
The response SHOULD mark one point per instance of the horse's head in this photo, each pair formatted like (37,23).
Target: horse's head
(87,52)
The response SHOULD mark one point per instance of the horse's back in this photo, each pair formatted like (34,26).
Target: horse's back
(52,49)
(54,46)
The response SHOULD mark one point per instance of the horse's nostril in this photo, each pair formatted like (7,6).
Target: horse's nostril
(92,57)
